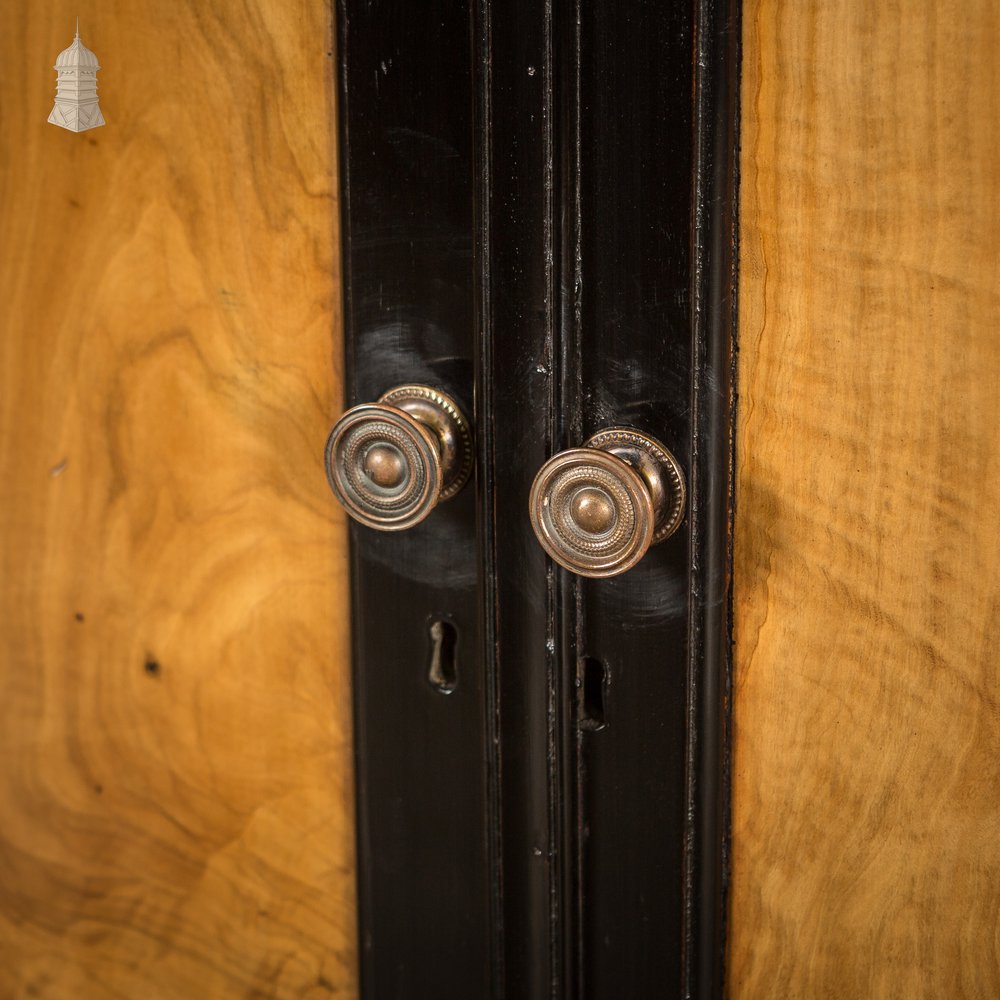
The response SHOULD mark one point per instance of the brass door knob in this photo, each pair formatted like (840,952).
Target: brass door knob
(390,463)
(597,509)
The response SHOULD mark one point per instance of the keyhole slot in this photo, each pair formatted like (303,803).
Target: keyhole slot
(443,671)
(593,694)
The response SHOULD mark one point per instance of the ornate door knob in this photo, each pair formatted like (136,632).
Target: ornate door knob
(597,509)
(390,463)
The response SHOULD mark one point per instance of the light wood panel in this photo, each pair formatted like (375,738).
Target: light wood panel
(866,840)
(174,704)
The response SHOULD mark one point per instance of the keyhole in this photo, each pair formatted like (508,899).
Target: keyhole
(443,673)
(593,691)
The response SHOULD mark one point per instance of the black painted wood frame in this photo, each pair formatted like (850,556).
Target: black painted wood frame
(539,216)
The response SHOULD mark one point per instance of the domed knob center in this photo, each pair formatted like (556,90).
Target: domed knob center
(592,511)
(384,466)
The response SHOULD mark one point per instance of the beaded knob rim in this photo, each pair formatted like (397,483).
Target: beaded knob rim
(598,508)
(391,462)
(399,505)
(659,468)
(613,548)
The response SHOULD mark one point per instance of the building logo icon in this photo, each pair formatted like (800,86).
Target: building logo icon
(76,106)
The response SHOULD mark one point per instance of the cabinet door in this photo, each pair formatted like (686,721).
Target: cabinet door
(865,852)
(175,762)
(539,221)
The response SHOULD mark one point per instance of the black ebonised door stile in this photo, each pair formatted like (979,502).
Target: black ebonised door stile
(406,175)
(539,219)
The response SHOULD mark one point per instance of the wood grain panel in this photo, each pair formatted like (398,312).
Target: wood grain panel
(866,841)
(174,702)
